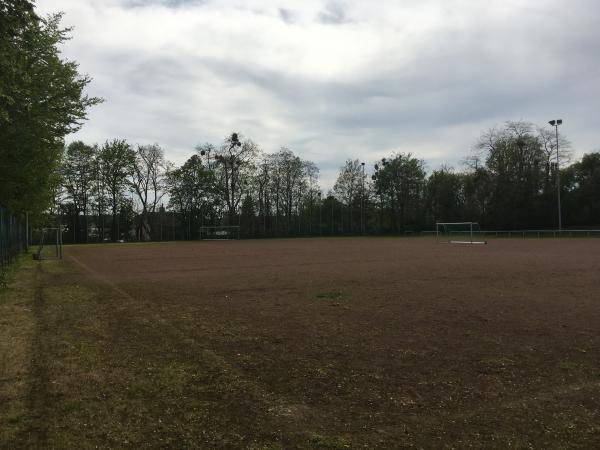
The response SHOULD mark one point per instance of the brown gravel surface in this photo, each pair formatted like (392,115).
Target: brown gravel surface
(324,343)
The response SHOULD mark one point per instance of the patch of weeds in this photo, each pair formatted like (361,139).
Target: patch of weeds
(328,443)
(15,420)
(8,272)
(275,446)
(330,295)
(496,365)
(72,406)
(135,391)
(56,266)
(322,372)
(567,365)
(16,334)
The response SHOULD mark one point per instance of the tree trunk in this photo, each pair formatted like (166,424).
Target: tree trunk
(114,227)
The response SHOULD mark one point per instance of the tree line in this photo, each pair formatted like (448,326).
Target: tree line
(509,182)
(122,191)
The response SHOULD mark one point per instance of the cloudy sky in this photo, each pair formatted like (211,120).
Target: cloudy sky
(335,79)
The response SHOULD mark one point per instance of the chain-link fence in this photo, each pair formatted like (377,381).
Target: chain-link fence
(13,237)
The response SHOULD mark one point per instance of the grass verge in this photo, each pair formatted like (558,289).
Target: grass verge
(17,322)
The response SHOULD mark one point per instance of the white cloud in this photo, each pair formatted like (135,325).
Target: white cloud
(334,79)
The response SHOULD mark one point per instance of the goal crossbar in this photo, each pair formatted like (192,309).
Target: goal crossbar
(219,232)
(457,232)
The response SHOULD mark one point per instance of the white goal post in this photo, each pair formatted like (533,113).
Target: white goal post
(220,233)
(458,233)
(49,244)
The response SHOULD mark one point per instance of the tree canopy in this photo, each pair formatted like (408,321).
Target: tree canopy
(41,101)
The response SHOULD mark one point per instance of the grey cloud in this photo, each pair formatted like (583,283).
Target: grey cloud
(287,15)
(447,85)
(334,14)
(454,81)
(168,3)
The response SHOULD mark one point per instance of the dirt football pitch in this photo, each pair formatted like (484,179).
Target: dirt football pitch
(360,343)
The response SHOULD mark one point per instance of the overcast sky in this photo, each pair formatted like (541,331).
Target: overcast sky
(333,80)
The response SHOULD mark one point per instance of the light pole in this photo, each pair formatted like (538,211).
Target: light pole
(555,124)
(362,201)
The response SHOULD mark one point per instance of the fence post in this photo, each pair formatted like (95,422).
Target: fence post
(11,236)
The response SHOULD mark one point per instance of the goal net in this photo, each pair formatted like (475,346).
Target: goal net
(49,241)
(458,233)
(219,233)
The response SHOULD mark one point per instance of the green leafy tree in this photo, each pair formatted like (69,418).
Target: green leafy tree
(78,178)
(581,182)
(116,158)
(517,162)
(445,196)
(41,101)
(478,188)
(348,186)
(400,182)
(193,194)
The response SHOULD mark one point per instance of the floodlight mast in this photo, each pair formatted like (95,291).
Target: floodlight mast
(555,124)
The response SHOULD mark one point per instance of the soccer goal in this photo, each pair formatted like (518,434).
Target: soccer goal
(458,233)
(49,244)
(220,233)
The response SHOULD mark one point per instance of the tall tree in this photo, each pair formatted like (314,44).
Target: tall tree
(78,177)
(116,160)
(348,185)
(262,183)
(584,195)
(445,196)
(400,181)
(290,170)
(478,188)
(234,164)
(41,101)
(192,193)
(515,160)
(147,183)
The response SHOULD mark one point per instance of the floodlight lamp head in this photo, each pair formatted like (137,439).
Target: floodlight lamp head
(552,122)
(203,152)
(559,122)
